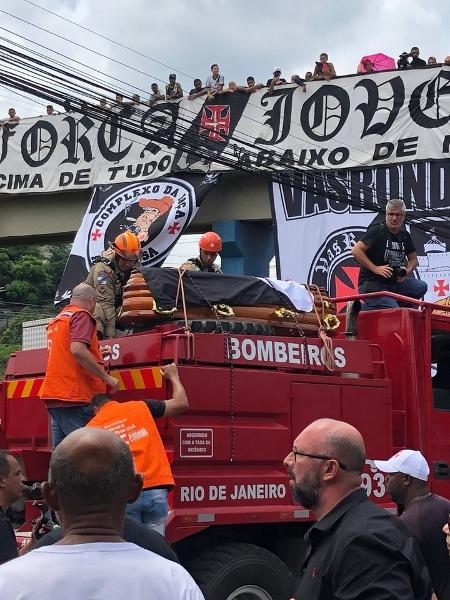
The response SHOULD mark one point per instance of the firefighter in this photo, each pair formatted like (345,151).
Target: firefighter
(210,245)
(108,276)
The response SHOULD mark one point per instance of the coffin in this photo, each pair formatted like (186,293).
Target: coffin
(156,295)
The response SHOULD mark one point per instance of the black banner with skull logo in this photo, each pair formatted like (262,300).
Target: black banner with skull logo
(158,211)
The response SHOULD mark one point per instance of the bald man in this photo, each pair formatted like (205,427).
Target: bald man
(75,369)
(356,549)
(91,479)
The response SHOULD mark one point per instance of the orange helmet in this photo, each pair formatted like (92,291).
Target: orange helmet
(210,242)
(127,245)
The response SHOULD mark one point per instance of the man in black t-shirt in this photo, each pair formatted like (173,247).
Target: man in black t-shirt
(388,258)
(424,513)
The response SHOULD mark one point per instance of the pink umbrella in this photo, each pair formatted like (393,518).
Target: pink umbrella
(380,62)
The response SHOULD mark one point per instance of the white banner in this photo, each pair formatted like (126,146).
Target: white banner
(350,122)
(317,228)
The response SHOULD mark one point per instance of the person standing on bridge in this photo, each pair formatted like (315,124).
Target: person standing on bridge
(210,245)
(355,549)
(75,370)
(108,276)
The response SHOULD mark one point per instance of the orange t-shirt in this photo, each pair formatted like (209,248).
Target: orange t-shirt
(134,424)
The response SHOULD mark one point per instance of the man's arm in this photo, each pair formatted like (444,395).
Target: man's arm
(198,94)
(86,359)
(189,266)
(412,262)
(359,254)
(273,83)
(179,402)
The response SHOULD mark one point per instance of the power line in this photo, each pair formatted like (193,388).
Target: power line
(290,136)
(61,37)
(104,37)
(184,138)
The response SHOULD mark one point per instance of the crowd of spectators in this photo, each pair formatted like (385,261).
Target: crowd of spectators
(215,83)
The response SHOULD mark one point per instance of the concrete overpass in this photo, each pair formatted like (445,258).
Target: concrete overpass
(43,218)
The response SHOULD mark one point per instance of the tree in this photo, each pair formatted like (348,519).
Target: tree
(29,277)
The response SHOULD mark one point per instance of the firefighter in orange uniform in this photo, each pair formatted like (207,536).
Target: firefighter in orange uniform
(210,245)
(75,368)
(134,423)
(108,276)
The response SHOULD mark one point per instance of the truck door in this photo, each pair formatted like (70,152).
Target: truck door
(438,429)
(366,404)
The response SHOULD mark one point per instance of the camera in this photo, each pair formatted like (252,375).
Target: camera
(403,60)
(32,492)
(45,522)
(398,271)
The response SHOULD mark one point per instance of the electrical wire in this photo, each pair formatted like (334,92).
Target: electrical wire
(104,37)
(290,177)
(289,137)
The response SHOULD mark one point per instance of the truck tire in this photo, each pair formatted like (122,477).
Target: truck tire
(241,572)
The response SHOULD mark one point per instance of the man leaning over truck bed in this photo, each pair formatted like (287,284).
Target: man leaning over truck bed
(75,370)
(134,423)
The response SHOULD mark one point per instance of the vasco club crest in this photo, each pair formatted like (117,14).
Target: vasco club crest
(157,212)
(333,266)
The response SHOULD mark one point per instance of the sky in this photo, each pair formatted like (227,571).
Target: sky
(245,37)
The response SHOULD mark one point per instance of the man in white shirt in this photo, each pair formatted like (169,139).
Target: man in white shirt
(91,479)
(214,83)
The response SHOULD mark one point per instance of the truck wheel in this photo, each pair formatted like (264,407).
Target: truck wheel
(241,572)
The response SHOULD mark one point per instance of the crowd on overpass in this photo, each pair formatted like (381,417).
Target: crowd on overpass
(214,84)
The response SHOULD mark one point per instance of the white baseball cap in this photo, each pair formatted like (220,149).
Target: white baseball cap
(276,69)
(408,462)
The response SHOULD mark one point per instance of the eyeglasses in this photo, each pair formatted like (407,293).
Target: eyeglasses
(319,456)
(398,215)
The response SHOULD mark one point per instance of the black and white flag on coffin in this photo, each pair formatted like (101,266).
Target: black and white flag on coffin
(204,289)
(158,211)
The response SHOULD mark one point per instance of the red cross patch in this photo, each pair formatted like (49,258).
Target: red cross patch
(441,287)
(215,121)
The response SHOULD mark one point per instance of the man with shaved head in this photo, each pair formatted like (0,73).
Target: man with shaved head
(356,550)
(91,479)
(75,370)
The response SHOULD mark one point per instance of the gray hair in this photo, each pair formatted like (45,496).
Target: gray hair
(396,203)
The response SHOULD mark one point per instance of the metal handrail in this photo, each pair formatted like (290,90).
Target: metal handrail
(406,299)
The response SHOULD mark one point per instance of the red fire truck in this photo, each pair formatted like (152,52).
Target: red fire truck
(232,521)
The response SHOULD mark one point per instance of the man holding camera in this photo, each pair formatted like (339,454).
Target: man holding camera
(388,258)
(415,63)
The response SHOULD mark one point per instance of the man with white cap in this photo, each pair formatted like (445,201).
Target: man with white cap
(275,80)
(424,513)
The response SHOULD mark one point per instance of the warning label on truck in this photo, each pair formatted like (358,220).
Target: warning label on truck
(196,443)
